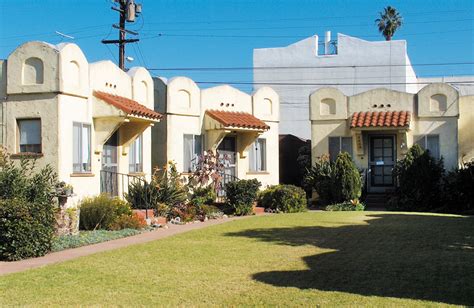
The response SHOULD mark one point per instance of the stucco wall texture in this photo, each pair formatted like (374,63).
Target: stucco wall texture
(355,68)
(56,83)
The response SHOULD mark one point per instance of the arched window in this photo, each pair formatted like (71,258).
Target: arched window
(33,71)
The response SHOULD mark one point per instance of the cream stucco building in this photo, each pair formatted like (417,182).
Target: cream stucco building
(90,121)
(243,126)
(378,126)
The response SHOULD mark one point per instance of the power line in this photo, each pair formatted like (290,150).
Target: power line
(469,82)
(310,26)
(241,68)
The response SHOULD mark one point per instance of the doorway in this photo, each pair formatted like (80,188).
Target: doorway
(382,157)
(109,175)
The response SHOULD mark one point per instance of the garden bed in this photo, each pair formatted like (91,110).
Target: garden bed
(85,238)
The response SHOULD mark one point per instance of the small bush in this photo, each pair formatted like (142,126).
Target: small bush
(284,198)
(203,195)
(26,229)
(27,205)
(185,212)
(210,211)
(354,205)
(101,211)
(241,195)
(335,182)
(347,179)
(320,177)
(458,190)
(419,178)
(125,221)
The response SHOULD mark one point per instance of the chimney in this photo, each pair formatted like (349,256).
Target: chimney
(327,40)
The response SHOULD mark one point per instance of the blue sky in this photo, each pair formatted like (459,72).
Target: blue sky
(223,33)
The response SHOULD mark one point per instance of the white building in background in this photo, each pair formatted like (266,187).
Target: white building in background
(243,126)
(347,61)
(89,121)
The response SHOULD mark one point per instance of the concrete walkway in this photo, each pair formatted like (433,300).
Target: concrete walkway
(61,256)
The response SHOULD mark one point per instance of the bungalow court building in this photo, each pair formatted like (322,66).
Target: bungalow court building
(90,121)
(378,126)
(240,126)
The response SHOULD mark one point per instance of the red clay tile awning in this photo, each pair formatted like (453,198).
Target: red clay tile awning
(237,119)
(380,119)
(128,105)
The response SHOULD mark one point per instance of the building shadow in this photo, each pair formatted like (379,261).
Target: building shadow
(422,257)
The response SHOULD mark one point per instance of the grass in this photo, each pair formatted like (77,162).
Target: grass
(307,259)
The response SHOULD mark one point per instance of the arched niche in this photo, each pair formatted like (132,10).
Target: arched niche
(327,106)
(267,108)
(74,73)
(438,103)
(183,99)
(33,71)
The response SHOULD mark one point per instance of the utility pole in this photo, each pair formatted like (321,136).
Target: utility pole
(128,11)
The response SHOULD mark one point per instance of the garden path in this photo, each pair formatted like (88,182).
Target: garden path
(61,256)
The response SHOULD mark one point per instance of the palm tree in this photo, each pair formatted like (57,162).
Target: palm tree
(390,20)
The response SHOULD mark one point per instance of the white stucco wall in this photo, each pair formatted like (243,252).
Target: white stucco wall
(185,108)
(357,62)
(423,120)
(63,96)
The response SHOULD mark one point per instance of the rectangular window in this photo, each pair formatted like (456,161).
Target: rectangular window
(136,155)
(429,143)
(81,148)
(192,150)
(339,144)
(258,156)
(29,135)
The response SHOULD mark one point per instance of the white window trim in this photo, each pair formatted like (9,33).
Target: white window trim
(81,138)
(253,168)
(132,166)
(417,138)
(340,146)
(19,136)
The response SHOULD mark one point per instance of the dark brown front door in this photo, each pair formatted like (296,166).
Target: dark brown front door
(381,162)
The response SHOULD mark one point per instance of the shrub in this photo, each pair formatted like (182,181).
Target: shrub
(101,211)
(165,187)
(241,195)
(283,198)
(126,221)
(347,179)
(419,179)
(210,211)
(458,190)
(203,195)
(321,178)
(26,229)
(335,182)
(27,205)
(185,212)
(353,205)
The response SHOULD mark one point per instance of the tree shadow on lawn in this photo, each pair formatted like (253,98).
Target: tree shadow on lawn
(423,257)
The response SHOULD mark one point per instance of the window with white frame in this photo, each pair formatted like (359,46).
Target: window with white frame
(136,155)
(429,143)
(192,145)
(29,135)
(339,144)
(81,147)
(258,156)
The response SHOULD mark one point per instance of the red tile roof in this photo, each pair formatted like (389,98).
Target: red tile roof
(237,119)
(128,105)
(381,119)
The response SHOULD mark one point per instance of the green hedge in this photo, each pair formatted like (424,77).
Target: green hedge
(284,198)
(241,195)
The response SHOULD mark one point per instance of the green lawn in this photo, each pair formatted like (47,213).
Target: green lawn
(325,258)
